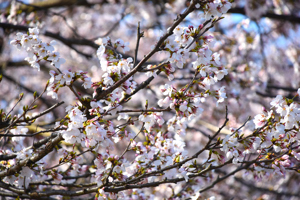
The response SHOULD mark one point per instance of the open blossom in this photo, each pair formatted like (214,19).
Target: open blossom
(221,95)
(19,130)
(53,56)
(51,92)
(183,106)
(225,7)
(212,11)
(100,51)
(33,31)
(107,79)
(123,45)
(220,74)
(261,119)
(164,102)
(87,83)
(208,81)
(149,121)
(277,102)
(49,46)
(123,116)
(58,62)
(25,153)
(68,76)
(216,58)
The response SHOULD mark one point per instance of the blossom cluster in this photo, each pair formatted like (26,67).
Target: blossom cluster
(37,50)
(275,133)
(207,65)
(66,78)
(216,8)
(114,67)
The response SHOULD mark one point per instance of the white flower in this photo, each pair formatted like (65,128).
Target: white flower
(256,143)
(53,56)
(49,46)
(296,155)
(57,177)
(212,11)
(124,45)
(149,121)
(26,42)
(100,51)
(68,76)
(277,148)
(19,130)
(170,77)
(52,93)
(221,95)
(208,81)
(278,101)
(15,42)
(19,35)
(123,64)
(58,62)
(32,59)
(178,30)
(183,106)
(25,153)
(123,116)
(216,57)
(107,79)
(71,136)
(42,52)
(167,90)
(279,130)
(60,78)
(220,74)
(260,119)
(33,31)
(87,83)
(164,102)
(226,6)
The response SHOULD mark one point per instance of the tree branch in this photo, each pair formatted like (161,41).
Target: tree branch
(289,18)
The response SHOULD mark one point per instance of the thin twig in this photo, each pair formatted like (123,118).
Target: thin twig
(139,36)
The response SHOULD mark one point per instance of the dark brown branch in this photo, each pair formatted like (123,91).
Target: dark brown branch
(289,89)
(30,135)
(44,5)
(157,183)
(139,36)
(218,180)
(34,158)
(289,18)
(42,113)
(149,110)
(267,190)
